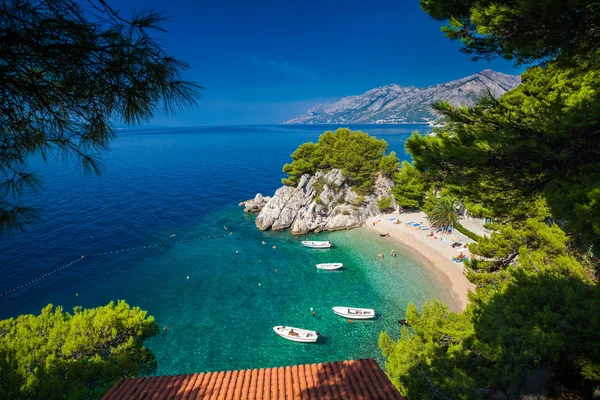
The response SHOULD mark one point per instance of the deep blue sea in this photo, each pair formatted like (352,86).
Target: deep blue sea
(151,231)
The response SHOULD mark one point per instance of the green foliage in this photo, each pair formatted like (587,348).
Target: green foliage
(539,140)
(534,307)
(530,155)
(319,186)
(411,186)
(359,200)
(517,29)
(431,361)
(70,70)
(345,212)
(444,212)
(467,232)
(384,204)
(358,155)
(80,355)
(388,164)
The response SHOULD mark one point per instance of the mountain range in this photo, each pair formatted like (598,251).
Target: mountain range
(393,103)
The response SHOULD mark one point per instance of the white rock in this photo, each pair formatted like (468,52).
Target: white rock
(333,209)
(256,204)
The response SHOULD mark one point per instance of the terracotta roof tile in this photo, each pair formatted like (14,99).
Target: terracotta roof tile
(352,380)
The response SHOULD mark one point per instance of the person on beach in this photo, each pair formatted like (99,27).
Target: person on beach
(393,253)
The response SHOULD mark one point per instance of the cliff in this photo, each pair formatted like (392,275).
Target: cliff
(324,201)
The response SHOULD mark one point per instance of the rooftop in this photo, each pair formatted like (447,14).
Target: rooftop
(352,379)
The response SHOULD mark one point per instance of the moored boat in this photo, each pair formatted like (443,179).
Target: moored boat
(314,244)
(354,313)
(296,334)
(330,266)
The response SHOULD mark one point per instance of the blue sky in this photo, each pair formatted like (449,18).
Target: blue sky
(267,61)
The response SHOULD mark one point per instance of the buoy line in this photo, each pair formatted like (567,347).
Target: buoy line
(42,277)
(7,292)
(153,246)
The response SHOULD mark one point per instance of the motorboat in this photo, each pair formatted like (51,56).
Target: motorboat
(313,244)
(296,334)
(330,266)
(354,313)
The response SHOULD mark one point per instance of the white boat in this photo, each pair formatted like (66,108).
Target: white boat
(354,313)
(330,266)
(296,334)
(313,244)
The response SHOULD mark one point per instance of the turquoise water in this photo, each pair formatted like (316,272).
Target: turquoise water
(188,183)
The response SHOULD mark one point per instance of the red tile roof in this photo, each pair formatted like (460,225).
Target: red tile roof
(353,380)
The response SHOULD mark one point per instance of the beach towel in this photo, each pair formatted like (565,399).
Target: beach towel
(391,219)
(416,224)
(425,229)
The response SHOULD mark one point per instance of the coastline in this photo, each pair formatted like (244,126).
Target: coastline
(436,255)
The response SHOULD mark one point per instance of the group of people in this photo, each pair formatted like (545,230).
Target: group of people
(392,253)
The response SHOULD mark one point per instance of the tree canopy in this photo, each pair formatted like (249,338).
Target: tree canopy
(57,354)
(526,31)
(530,161)
(536,312)
(539,139)
(412,186)
(444,212)
(69,71)
(358,155)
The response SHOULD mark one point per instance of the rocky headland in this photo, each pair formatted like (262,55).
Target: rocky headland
(323,201)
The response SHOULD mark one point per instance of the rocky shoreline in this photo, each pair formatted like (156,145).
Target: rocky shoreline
(324,201)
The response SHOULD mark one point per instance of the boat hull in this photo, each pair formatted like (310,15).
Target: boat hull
(354,313)
(316,245)
(330,266)
(296,334)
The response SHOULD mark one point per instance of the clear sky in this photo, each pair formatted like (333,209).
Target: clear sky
(268,61)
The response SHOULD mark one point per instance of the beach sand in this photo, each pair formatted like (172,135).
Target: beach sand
(435,253)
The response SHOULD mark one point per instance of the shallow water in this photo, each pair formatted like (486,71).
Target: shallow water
(187,183)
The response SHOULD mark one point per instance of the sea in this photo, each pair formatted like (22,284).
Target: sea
(161,229)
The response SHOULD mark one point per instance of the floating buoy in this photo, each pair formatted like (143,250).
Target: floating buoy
(231,233)
(76,294)
(276,270)
(350,320)
(188,277)
(259,284)
(237,252)
(259,261)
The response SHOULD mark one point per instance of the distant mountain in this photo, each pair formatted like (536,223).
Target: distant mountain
(397,104)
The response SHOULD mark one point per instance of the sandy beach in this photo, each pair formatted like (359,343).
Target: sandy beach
(436,252)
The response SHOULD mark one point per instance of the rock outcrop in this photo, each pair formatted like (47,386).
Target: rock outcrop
(256,204)
(323,202)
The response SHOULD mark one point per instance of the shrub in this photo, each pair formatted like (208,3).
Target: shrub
(385,203)
(359,200)
(345,212)
(467,232)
